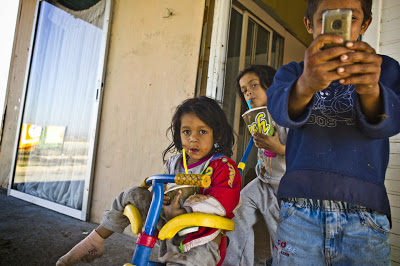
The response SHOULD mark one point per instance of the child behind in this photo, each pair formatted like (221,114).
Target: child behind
(341,104)
(200,127)
(259,197)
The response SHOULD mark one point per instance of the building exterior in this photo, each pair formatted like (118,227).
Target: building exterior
(93,85)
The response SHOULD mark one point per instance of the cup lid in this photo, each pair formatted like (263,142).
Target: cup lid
(175,187)
(253,109)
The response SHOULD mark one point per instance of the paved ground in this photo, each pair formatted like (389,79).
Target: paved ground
(31,235)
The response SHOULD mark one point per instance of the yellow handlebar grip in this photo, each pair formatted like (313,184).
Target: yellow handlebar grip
(144,183)
(193,180)
(134,217)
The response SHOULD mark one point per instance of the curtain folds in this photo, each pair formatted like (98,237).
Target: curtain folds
(52,160)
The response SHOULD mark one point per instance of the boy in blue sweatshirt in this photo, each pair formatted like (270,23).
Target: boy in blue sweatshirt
(341,105)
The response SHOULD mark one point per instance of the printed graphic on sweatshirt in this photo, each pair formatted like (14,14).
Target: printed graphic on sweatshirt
(333,105)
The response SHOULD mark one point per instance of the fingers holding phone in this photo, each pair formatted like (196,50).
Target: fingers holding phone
(364,70)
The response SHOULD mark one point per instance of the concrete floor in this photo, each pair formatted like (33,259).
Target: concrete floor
(33,235)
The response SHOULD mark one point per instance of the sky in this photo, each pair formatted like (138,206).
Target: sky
(8,17)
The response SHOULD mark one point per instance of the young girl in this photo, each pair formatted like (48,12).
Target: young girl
(259,197)
(200,127)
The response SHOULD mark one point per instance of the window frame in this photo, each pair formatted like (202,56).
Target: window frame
(94,127)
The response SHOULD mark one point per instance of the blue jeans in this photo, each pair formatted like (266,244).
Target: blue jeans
(324,232)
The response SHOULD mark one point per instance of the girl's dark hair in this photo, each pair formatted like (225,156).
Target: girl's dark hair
(312,6)
(264,73)
(208,111)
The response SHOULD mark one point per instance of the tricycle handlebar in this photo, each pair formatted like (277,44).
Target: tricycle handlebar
(197,180)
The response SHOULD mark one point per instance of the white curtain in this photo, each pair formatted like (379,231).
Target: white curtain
(59,102)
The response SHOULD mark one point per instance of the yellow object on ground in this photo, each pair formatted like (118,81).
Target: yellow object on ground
(195,219)
(134,217)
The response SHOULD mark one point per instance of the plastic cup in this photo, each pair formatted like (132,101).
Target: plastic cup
(259,120)
(186,192)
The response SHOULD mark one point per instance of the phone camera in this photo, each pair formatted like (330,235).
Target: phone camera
(337,24)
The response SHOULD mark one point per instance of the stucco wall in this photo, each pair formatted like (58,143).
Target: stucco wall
(15,85)
(151,68)
(293,49)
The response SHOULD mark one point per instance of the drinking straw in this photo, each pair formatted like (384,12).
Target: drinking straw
(242,163)
(184,161)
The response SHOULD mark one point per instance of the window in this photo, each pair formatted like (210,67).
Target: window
(59,117)
(250,42)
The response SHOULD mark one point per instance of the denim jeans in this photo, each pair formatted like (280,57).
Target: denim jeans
(324,232)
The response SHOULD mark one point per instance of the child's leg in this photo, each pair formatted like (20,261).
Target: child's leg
(270,210)
(92,247)
(204,255)
(89,249)
(364,239)
(322,232)
(114,219)
(240,250)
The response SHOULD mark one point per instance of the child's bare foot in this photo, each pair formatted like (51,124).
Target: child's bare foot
(89,249)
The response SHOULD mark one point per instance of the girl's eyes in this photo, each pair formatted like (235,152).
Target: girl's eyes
(252,86)
(202,132)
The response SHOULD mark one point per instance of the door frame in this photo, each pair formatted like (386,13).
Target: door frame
(94,127)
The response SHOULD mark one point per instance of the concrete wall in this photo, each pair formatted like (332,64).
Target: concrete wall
(8,16)
(293,50)
(152,66)
(19,57)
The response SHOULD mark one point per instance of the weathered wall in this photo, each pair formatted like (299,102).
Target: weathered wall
(19,57)
(151,68)
(293,49)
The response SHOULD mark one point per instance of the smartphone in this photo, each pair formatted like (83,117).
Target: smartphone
(337,21)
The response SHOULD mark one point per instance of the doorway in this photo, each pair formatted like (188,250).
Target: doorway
(251,41)
(55,144)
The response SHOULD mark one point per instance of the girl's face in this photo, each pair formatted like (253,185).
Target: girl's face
(197,137)
(357,26)
(251,88)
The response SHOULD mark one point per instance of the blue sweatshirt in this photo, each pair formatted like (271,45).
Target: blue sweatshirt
(332,152)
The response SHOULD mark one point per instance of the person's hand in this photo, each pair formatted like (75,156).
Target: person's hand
(270,143)
(320,66)
(174,209)
(320,69)
(363,70)
(166,200)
